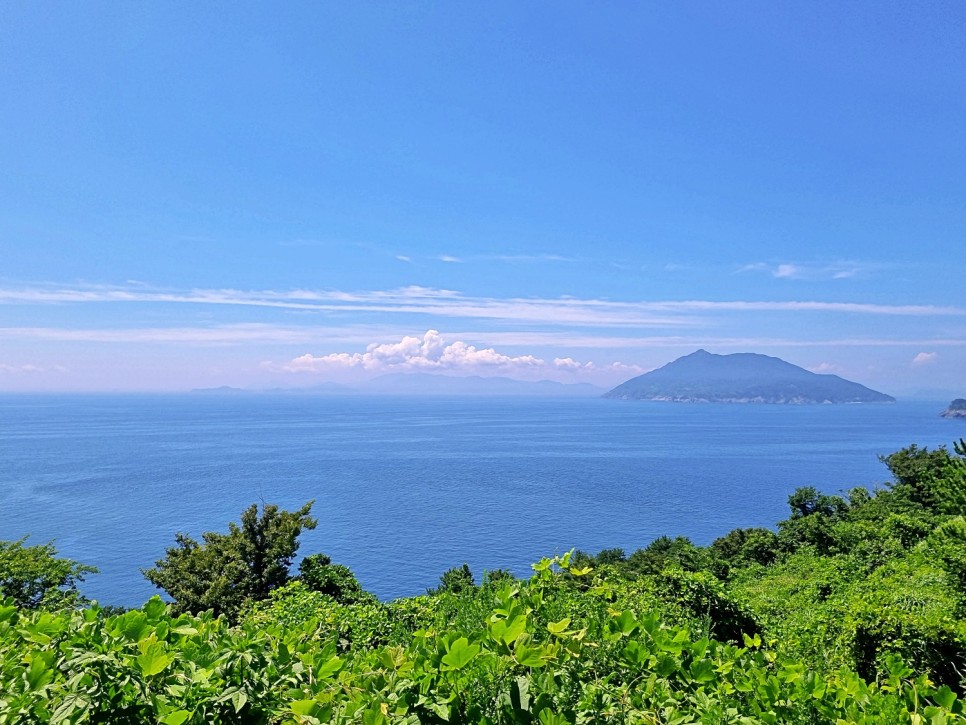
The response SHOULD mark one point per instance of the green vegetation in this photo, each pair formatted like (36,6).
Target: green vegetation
(33,576)
(228,571)
(853,611)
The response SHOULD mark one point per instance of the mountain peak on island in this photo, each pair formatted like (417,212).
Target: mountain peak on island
(744,377)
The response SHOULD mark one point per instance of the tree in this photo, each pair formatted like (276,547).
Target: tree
(34,577)
(742,547)
(227,571)
(666,552)
(319,574)
(456,580)
(915,470)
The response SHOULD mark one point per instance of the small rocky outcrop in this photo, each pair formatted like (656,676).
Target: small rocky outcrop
(956,409)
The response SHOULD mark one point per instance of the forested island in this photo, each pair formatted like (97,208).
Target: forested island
(852,610)
(746,377)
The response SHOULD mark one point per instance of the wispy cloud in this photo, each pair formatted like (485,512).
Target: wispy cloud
(516,258)
(925,358)
(826,368)
(449,258)
(452,304)
(262,333)
(237,334)
(811,271)
(29,368)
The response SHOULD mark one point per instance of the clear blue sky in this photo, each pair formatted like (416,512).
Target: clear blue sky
(257,194)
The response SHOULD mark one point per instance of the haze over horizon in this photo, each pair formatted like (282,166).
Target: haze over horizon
(281,196)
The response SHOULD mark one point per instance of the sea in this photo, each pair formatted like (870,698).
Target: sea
(407,487)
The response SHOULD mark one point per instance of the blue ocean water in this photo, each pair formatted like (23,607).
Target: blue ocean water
(405,488)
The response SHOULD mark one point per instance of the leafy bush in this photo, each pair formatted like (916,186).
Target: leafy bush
(319,574)
(517,662)
(35,577)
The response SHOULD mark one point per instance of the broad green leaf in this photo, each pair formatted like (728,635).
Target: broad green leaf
(558,627)
(528,656)
(702,670)
(134,625)
(304,707)
(460,653)
(329,668)
(154,608)
(508,631)
(635,653)
(627,622)
(548,717)
(38,674)
(945,697)
(153,660)
(176,718)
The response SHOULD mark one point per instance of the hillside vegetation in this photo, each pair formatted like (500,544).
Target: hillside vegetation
(852,611)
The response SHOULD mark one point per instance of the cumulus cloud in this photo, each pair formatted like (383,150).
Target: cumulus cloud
(432,353)
(925,358)
(428,353)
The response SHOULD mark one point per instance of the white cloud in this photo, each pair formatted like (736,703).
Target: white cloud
(449,258)
(404,258)
(925,358)
(432,353)
(411,354)
(453,304)
(567,363)
(787,271)
(821,271)
(513,258)
(826,368)
(29,368)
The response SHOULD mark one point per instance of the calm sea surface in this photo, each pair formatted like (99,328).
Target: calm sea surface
(405,488)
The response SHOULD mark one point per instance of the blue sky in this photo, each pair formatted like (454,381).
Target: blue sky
(276,194)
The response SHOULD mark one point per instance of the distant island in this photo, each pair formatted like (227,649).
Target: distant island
(702,377)
(426,384)
(956,409)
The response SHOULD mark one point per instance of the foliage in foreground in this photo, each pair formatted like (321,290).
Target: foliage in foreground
(853,611)
(556,649)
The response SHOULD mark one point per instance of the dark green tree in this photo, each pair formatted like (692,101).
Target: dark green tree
(226,571)
(915,471)
(35,577)
(319,574)
(456,580)
(665,552)
(742,547)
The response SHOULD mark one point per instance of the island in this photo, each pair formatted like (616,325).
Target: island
(956,409)
(703,377)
